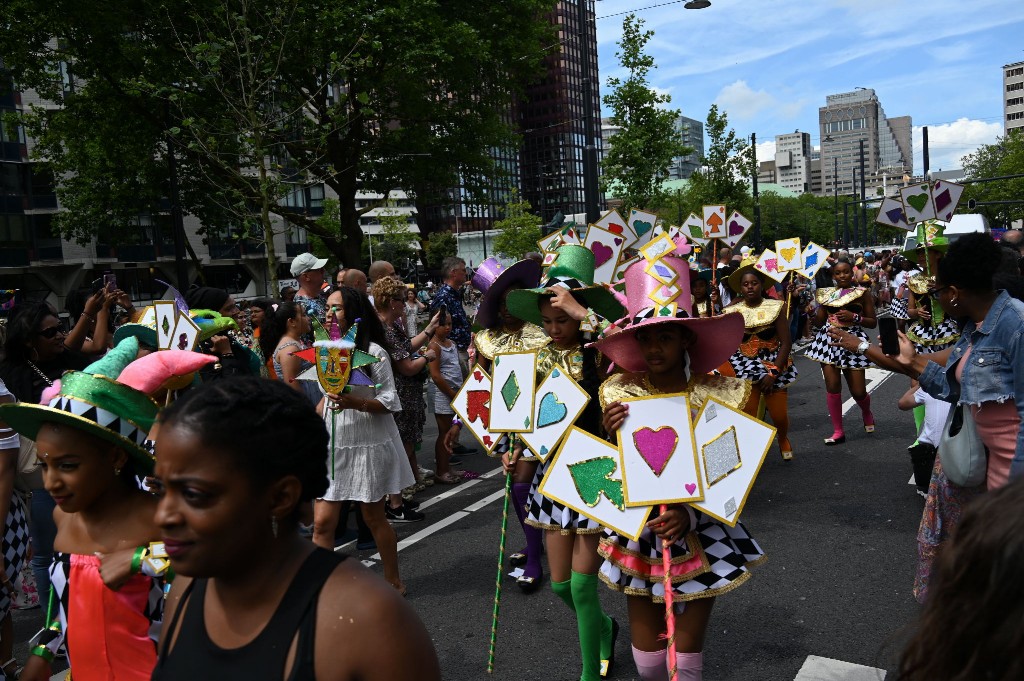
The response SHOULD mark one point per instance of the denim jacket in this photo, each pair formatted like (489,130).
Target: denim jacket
(995,369)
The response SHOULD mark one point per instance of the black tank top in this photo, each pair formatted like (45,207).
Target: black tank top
(194,656)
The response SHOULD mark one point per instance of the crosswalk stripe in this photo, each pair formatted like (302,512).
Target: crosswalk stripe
(817,668)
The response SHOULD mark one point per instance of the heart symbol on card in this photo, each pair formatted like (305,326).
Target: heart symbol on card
(555,373)
(735,228)
(618,242)
(615,229)
(690,488)
(602,253)
(544,450)
(788,253)
(551,411)
(641,227)
(656,446)
(918,201)
(478,375)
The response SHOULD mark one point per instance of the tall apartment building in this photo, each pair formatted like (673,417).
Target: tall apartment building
(816,171)
(1013,96)
(692,132)
(846,120)
(552,119)
(793,161)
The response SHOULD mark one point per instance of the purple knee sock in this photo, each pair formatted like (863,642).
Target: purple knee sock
(534,537)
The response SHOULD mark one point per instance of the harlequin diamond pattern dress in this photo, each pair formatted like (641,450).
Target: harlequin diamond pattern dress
(822,350)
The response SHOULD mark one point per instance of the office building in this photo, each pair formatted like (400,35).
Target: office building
(692,132)
(793,161)
(1013,96)
(850,120)
(767,173)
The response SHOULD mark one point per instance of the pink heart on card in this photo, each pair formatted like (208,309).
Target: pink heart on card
(690,488)
(656,446)
(602,253)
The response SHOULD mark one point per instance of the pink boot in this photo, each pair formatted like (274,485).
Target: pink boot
(835,412)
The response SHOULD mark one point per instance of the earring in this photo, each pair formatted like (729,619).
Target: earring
(117,471)
(273,525)
(954,302)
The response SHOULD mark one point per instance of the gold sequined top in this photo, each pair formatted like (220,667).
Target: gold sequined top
(920,283)
(838,297)
(732,391)
(571,359)
(491,342)
(756,319)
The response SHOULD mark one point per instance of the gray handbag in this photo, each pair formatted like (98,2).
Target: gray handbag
(963,455)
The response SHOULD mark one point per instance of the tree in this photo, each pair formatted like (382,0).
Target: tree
(725,167)
(440,246)
(378,95)
(396,242)
(647,139)
(1005,157)
(520,229)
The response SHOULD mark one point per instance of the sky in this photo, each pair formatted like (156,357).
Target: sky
(770,63)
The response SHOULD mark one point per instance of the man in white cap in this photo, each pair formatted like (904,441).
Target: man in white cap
(309,271)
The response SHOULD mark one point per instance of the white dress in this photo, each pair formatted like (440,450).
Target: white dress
(367,461)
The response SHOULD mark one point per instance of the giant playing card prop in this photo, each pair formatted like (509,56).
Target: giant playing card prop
(473,405)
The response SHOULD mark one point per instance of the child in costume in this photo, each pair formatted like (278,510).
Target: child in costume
(763,356)
(504,332)
(446,379)
(665,349)
(106,597)
(851,308)
(571,538)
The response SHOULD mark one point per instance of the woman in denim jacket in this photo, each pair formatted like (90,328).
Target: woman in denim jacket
(983,370)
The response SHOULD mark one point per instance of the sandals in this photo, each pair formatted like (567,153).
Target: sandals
(447,479)
(830,441)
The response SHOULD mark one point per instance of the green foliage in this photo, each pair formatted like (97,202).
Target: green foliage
(725,168)
(396,241)
(520,229)
(367,94)
(642,150)
(441,245)
(1005,157)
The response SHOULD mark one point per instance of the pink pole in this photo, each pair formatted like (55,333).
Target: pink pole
(670,614)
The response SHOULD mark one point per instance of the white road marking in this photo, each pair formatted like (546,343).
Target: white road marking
(826,669)
(873,378)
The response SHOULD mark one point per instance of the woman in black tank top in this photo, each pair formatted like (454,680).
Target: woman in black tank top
(253,598)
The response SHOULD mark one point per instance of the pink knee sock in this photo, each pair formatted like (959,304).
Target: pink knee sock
(651,666)
(835,412)
(690,666)
(865,407)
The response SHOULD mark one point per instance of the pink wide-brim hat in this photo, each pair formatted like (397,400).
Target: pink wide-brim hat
(492,279)
(717,337)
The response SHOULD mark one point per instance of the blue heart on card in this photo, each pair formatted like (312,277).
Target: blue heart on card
(544,450)
(555,373)
(551,411)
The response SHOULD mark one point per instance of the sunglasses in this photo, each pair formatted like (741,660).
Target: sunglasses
(934,293)
(50,332)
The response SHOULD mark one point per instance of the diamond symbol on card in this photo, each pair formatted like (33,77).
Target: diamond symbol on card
(811,260)
(510,391)
(166,325)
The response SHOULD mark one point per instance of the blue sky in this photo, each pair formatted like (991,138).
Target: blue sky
(770,63)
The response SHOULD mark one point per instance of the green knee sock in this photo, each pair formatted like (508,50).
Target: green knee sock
(564,591)
(918,420)
(591,623)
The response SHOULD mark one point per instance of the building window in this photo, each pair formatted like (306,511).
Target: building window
(1015,101)
(1013,87)
(1015,116)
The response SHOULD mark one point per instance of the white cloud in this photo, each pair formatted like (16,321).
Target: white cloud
(766,151)
(742,102)
(950,142)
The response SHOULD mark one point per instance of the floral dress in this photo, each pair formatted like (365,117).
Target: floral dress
(413,415)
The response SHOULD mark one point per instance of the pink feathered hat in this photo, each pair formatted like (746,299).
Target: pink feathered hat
(650,301)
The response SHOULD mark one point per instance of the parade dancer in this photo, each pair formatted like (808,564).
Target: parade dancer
(671,352)
(763,357)
(504,332)
(560,305)
(847,307)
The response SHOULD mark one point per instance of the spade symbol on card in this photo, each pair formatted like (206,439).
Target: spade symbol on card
(478,375)
(712,224)
(593,478)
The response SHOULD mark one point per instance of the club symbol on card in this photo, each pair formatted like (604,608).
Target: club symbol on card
(602,253)
(551,411)
(656,446)
(592,478)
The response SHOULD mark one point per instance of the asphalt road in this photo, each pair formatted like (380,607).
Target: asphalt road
(838,525)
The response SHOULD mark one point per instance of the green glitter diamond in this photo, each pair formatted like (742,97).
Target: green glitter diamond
(510,391)
(167,325)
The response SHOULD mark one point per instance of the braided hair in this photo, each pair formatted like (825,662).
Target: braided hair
(282,435)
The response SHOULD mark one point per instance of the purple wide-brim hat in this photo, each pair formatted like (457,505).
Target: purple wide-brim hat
(492,279)
(717,337)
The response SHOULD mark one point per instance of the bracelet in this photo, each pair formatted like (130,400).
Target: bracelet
(856,318)
(43,652)
(141,553)
(456,421)
(863,347)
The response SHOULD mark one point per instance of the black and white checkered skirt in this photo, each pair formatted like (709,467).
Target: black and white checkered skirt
(934,337)
(753,368)
(823,351)
(898,308)
(709,561)
(15,547)
(546,514)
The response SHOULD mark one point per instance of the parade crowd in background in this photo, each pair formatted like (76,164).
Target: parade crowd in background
(173,510)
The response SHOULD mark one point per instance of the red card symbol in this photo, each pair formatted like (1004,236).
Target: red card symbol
(615,229)
(478,375)
(487,440)
(478,406)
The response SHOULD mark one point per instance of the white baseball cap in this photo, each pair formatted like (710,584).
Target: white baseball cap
(745,249)
(306,262)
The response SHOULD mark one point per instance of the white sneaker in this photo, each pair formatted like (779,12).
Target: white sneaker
(425,472)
